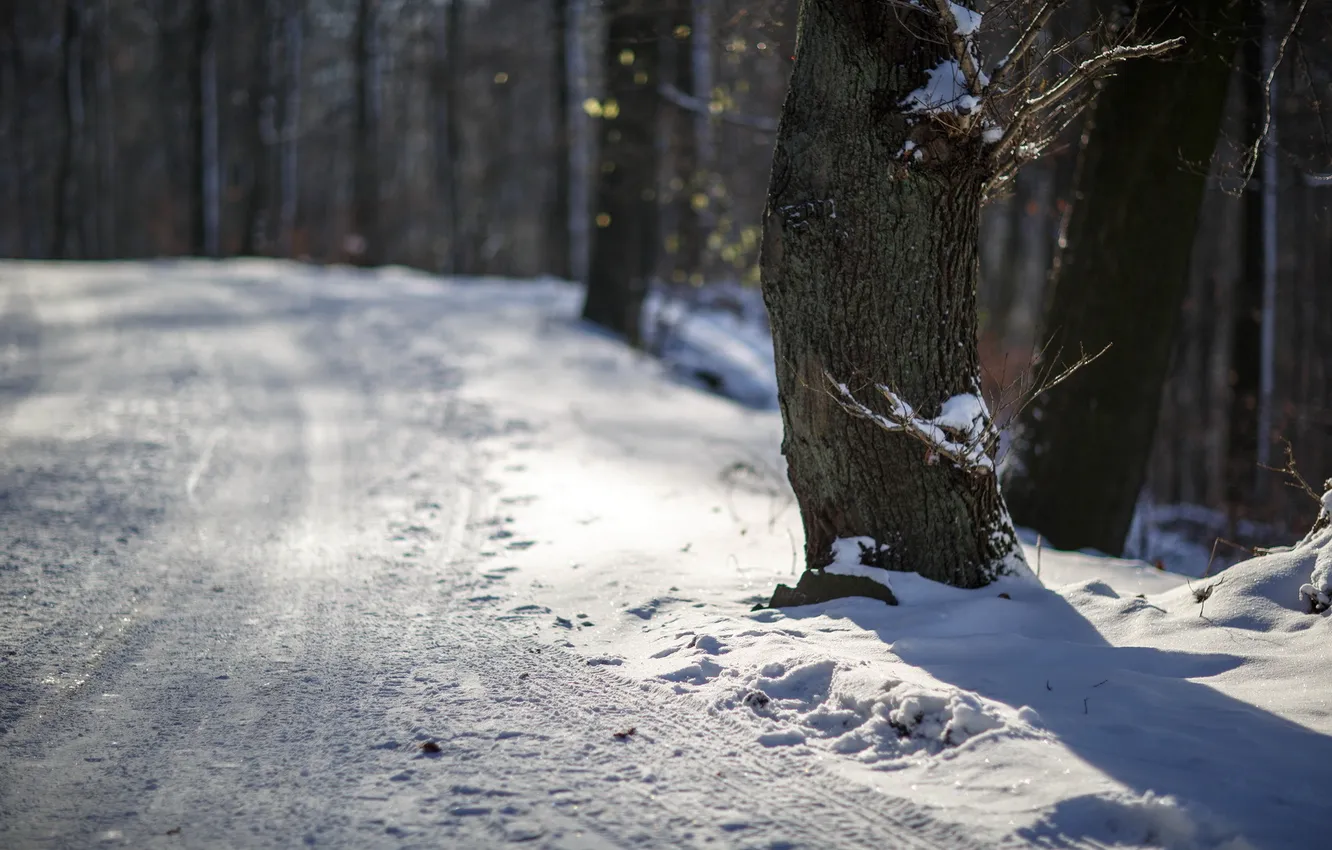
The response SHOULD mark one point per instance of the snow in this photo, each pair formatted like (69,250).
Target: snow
(968,21)
(727,349)
(1105,706)
(847,553)
(629,523)
(960,432)
(966,414)
(946,90)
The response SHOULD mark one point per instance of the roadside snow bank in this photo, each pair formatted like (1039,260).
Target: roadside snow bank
(717,339)
(1109,706)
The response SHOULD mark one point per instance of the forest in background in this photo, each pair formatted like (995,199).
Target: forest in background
(463,137)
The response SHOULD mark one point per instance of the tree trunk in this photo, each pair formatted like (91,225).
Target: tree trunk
(453,118)
(11,130)
(869,267)
(691,199)
(65,244)
(293,32)
(1245,362)
(625,241)
(210,178)
(1081,451)
(261,97)
(557,222)
(365,244)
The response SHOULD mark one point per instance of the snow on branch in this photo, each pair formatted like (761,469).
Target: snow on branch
(1022,106)
(962,432)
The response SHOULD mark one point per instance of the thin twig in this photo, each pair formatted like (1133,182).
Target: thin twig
(1085,72)
(1024,43)
(1293,471)
(1256,148)
(1245,549)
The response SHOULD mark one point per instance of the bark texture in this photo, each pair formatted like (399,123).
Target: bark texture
(1082,450)
(624,243)
(869,268)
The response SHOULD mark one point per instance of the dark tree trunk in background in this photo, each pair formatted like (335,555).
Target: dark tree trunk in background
(209,175)
(63,241)
(691,197)
(557,229)
(1242,455)
(11,139)
(869,272)
(293,29)
(366,246)
(625,240)
(1081,453)
(261,97)
(198,45)
(453,123)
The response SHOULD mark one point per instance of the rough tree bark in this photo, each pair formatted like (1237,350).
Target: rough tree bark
(625,241)
(869,268)
(1081,451)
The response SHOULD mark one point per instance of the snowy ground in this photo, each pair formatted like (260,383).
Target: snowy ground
(1108,706)
(496,529)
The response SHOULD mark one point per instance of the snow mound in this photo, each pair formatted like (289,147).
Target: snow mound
(1118,820)
(936,719)
(718,339)
(1316,595)
(1269,592)
(840,707)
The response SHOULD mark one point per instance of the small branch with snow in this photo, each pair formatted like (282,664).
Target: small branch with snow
(962,432)
(1022,107)
(961,25)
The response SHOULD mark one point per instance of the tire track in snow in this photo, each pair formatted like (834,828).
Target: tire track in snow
(769,797)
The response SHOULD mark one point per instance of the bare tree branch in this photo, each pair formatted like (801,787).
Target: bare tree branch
(1251,159)
(1024,43)
(962,47)
(967,448)
(1085,72)
(702,106)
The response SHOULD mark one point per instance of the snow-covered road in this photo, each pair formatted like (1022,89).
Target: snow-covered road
(241,516)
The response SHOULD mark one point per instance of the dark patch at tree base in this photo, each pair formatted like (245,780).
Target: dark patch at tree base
(816,586)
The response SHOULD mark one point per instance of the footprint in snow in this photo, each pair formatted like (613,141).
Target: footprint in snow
(698,673)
